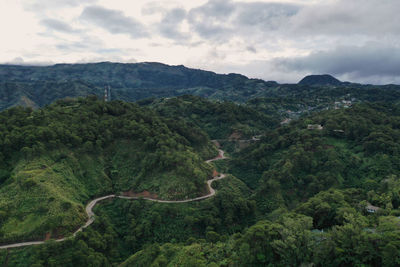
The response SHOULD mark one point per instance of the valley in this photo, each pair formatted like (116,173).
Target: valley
(142,179)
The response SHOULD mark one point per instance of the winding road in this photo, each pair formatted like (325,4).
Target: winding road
(90,206)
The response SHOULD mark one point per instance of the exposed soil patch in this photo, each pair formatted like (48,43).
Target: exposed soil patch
(215,173)
(56,233)
(48,236)
(216,143)
(235,136)
(145,193)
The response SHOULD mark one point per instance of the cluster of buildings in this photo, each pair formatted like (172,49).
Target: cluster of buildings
(344,103)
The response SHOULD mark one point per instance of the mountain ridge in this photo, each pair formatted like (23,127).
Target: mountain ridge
(37,86)
(320,79)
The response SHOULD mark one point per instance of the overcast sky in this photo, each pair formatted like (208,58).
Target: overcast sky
(355,40)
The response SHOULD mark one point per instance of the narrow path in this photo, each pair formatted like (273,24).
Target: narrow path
(90,206)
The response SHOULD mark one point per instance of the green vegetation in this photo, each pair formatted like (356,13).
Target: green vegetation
(124,226)
(34,87)
(356,148)
(287,241)
(320,80)
(55,159)
(220,120)
(38,86)
(296,197)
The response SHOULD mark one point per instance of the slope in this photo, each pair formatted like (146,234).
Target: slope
(55,159)
(129,82)
(218,119)
(355,148)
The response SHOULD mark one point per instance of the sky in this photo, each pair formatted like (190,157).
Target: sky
(353,40)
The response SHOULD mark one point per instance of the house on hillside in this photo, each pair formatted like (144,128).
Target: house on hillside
(371,209)
(314,127)
(338,131)
(286,121)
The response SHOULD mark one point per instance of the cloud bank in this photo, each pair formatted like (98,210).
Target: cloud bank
(282,40)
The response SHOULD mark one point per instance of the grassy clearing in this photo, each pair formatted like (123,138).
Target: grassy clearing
(47,195)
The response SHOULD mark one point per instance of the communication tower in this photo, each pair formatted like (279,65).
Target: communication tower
(107,93)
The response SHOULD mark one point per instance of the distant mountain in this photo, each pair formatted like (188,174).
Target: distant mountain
(38,86)
(325,79)
(33,86)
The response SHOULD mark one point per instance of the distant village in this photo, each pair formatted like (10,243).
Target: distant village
(301,110)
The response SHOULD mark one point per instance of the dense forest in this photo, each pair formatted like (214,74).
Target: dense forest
(53,160)
(298,196)
(312,169)
(38,86)
(218,119)
(33,86)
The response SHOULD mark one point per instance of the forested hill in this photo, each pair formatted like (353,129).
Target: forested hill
(32,86)
(324,79)
(301,195)
(355,148)
(53,160)
(38,86)
(220,120)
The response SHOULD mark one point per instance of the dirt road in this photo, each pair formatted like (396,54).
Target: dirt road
(90,206)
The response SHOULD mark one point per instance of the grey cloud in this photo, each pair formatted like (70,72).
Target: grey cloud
(153,8)
(87,43)
(73,46)
(343,17)
(57,25)
(113,21)
(40,6)
(21,61)
(268,16)
(169,26)
(251,49)
(211,20)
(222,19)
(373,63)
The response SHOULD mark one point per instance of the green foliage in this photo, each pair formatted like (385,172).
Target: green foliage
(142,222)
(219,119)
(294,163)
(57,158)
(300,199)
(39,86)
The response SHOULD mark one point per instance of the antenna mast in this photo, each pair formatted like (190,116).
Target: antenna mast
(107,93)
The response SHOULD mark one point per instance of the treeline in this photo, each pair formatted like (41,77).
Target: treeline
(218,119)
(87,124)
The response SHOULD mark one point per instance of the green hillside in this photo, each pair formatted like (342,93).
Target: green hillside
(357,148)
(54,160)
(296,197)
(324,79)
(33,86)
(39,86)
(218,119)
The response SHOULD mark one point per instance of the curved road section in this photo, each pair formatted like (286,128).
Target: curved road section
(90,206)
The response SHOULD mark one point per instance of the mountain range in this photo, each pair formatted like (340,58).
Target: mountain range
(186,167)
(35,86)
